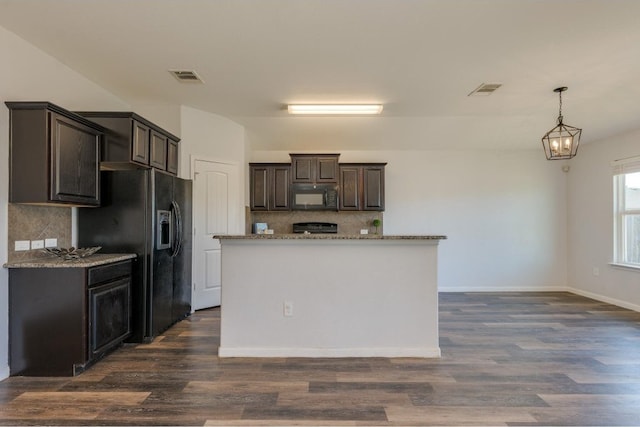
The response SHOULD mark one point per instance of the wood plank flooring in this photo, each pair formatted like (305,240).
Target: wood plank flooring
(508,359)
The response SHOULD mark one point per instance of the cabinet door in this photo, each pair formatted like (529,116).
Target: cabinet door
(259,188)
(172,157)
(373,188)
(327,169)
(158,150)
(279,200)
(75,162)
(109,315)
(140,143)
(303,168)
(314,168)
(350,188)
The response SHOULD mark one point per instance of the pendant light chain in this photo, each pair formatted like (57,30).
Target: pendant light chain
(560,108)
(560,102)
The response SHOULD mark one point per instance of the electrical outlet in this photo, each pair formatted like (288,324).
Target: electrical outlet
(596,271)
(37,244)
(50,243)
(288,308)
(22,245)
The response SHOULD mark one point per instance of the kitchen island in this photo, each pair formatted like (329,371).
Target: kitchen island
(322,295)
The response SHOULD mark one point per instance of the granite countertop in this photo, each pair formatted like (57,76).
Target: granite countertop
(56,262)
(300,236)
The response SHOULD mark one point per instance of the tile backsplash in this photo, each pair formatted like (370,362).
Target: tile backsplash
(26,222)
(348,222)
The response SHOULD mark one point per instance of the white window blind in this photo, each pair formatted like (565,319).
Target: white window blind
(624,166)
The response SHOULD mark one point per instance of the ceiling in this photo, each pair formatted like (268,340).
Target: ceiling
(420,58)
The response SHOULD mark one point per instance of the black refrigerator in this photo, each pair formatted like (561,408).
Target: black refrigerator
(146,212)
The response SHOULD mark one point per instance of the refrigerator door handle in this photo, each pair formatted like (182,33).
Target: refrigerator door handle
(178,229)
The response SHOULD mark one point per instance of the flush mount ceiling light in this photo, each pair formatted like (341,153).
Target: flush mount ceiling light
(334,109)
(562,141)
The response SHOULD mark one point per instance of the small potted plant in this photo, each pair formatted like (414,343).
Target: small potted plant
(376,223)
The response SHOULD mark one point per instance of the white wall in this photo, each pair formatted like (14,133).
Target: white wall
(504,213)
(207,136)
(591,223)
(212,137)
(27,74)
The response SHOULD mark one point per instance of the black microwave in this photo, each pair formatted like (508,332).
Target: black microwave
(314,197)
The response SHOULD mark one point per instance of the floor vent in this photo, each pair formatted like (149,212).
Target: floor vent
(189,76)
(485,89)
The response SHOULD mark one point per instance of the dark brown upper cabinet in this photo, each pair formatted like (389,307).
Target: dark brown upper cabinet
(132,141)
(158,150)
(362,186)
(172,156)
(141,136)
(54,156)
(269,184)
(314,168)
(350,187)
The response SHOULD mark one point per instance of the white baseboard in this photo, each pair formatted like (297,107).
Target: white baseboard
(504,289)
(422,352)
(4,372)
(603,298)
(576,291)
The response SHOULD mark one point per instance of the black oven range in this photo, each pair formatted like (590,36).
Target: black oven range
(315,227)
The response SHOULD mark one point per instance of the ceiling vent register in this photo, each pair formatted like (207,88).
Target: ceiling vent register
(188,76)
(485,89)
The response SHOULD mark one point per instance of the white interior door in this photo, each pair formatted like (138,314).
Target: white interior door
(216,210)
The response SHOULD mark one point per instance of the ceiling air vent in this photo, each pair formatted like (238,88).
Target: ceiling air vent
(485,89)
(186,76)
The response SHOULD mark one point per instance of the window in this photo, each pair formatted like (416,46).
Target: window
(626,183)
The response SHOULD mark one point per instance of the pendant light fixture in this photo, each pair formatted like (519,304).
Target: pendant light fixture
(562,141)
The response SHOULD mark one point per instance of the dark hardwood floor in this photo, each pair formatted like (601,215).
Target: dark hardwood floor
(507,359)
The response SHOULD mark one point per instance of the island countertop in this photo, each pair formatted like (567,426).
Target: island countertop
(320,236)
(56,262)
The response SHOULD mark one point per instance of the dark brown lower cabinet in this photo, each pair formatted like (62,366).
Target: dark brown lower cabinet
(61,320)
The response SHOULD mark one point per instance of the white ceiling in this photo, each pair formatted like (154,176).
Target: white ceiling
(419,57)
